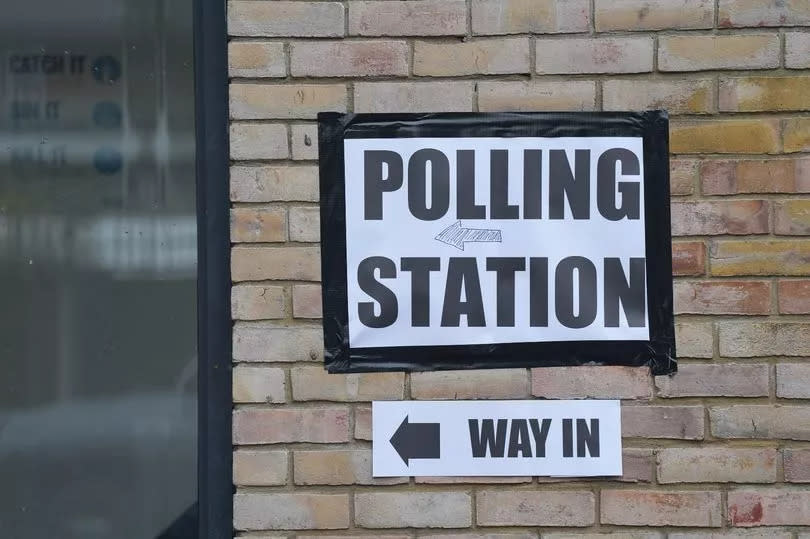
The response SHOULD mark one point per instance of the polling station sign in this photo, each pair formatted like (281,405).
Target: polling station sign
(496,438)
(495,240)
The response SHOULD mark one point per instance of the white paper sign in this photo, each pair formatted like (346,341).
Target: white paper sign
(454,241)
(497,438)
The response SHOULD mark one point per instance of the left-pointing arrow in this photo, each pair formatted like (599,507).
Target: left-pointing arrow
(417,441)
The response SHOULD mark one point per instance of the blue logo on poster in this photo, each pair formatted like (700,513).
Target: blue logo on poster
(106,69)
(107,115)
(108,160)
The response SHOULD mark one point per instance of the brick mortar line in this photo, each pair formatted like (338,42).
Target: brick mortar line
(549,35)
(532,74)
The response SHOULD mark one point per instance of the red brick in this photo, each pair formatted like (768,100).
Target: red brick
(722,297)
(677,422)
(726,177)
(287,425)
(592,383)
(720,217)
(797,465)
(688,258)
(535,508)
(769,507)
(656,508)
(794,297)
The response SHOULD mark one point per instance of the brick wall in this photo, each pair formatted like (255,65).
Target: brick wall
(722,446)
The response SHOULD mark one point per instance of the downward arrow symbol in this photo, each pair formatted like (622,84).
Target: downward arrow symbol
(456,235)
(417,441)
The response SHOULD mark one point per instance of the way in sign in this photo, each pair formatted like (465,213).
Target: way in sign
(474,438)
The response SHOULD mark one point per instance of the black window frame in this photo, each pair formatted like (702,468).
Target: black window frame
(214,449)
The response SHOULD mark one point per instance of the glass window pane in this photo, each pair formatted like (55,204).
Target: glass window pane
(98,396)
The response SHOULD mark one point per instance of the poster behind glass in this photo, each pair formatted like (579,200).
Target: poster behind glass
(98,395)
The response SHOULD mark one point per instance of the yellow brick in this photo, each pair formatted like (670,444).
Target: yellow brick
(529,16)
(337,467)
(258,302)
(290,511)
(637,15)
(488,57)
(792,217)
(725,136)
(264,101)
(752,94)
(256,59)
(258,384)
(683,175)
(726,51)
(281,18)
(762,13)
(797,135)
(678,96)
(258,225)
(771,257)
(314,383)
(259,468)
(528,96)
(271,263)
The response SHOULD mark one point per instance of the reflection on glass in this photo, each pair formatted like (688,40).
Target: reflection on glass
(98,392)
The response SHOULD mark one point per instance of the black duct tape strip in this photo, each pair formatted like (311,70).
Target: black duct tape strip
(652,126)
